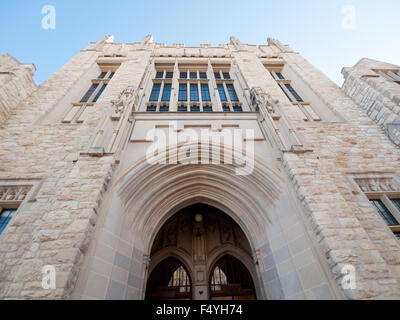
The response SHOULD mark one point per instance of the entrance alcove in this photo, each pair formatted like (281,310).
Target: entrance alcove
(145,200)
(202,248)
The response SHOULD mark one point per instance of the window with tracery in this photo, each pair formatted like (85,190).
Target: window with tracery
(180,280)
(218,279)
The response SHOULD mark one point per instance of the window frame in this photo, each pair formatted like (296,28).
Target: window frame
(385,197)
(78,111)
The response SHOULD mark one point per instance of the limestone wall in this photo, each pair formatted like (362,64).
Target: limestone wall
(66,223)
(16,84)
(377,95)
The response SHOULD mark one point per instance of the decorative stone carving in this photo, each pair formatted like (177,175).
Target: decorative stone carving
(274,122)
(377,184)
(123,100)
(14,193)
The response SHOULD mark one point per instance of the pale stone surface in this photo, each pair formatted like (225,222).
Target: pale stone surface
(78,224)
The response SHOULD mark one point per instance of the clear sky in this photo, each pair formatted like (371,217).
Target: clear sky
(319,29)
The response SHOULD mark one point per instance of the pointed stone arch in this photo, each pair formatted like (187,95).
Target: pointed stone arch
(158,191)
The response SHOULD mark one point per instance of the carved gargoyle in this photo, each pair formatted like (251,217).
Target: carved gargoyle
(261,99)
(123,100)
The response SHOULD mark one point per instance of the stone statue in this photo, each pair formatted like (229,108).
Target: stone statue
(123,99)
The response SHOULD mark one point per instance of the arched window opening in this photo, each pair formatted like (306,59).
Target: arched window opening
(169,281)
(218,279)
(230,280)
(180,280)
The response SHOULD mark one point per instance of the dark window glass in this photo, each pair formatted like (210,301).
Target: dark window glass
(222,94)
(290,99)
(182,92)
(203,75)
(169,75)
(205,93)
(89,93)
(194,93)
(294,93)
(217,75)
(193,75)
(164,108)
(100,92)
(195,109)
(226,109)
(182,109)
(237,109)
(151,109)
(5,217)
(384,212)
(396,202)
(102,75)
(111,75)
(207,109)
(166,96)
(159,75)
(226,75)
(183,75)
(232,93)
(155,93)
(280,76)
(397,235)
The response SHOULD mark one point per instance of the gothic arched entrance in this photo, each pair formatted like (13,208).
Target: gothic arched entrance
(200,253)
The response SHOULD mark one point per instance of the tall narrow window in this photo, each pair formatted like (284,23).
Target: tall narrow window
(169,75)
(294,93)
(102,75)
(203,75)
(182,92)
(396,202)
(222,94)
(166,93)
(205,93)
(194,93)
(193,75)
(155,93)
(226,75)
(280,76)
(5,217)
(100,92)
(384,212)
(183,75)
(217,75)
(79,111)
(89,93)
(159,75)
(232,93)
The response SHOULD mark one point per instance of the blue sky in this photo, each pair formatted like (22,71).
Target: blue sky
(312,27)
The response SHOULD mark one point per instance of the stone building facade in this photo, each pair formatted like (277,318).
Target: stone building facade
(16,84)
(88,188)
(375,86)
